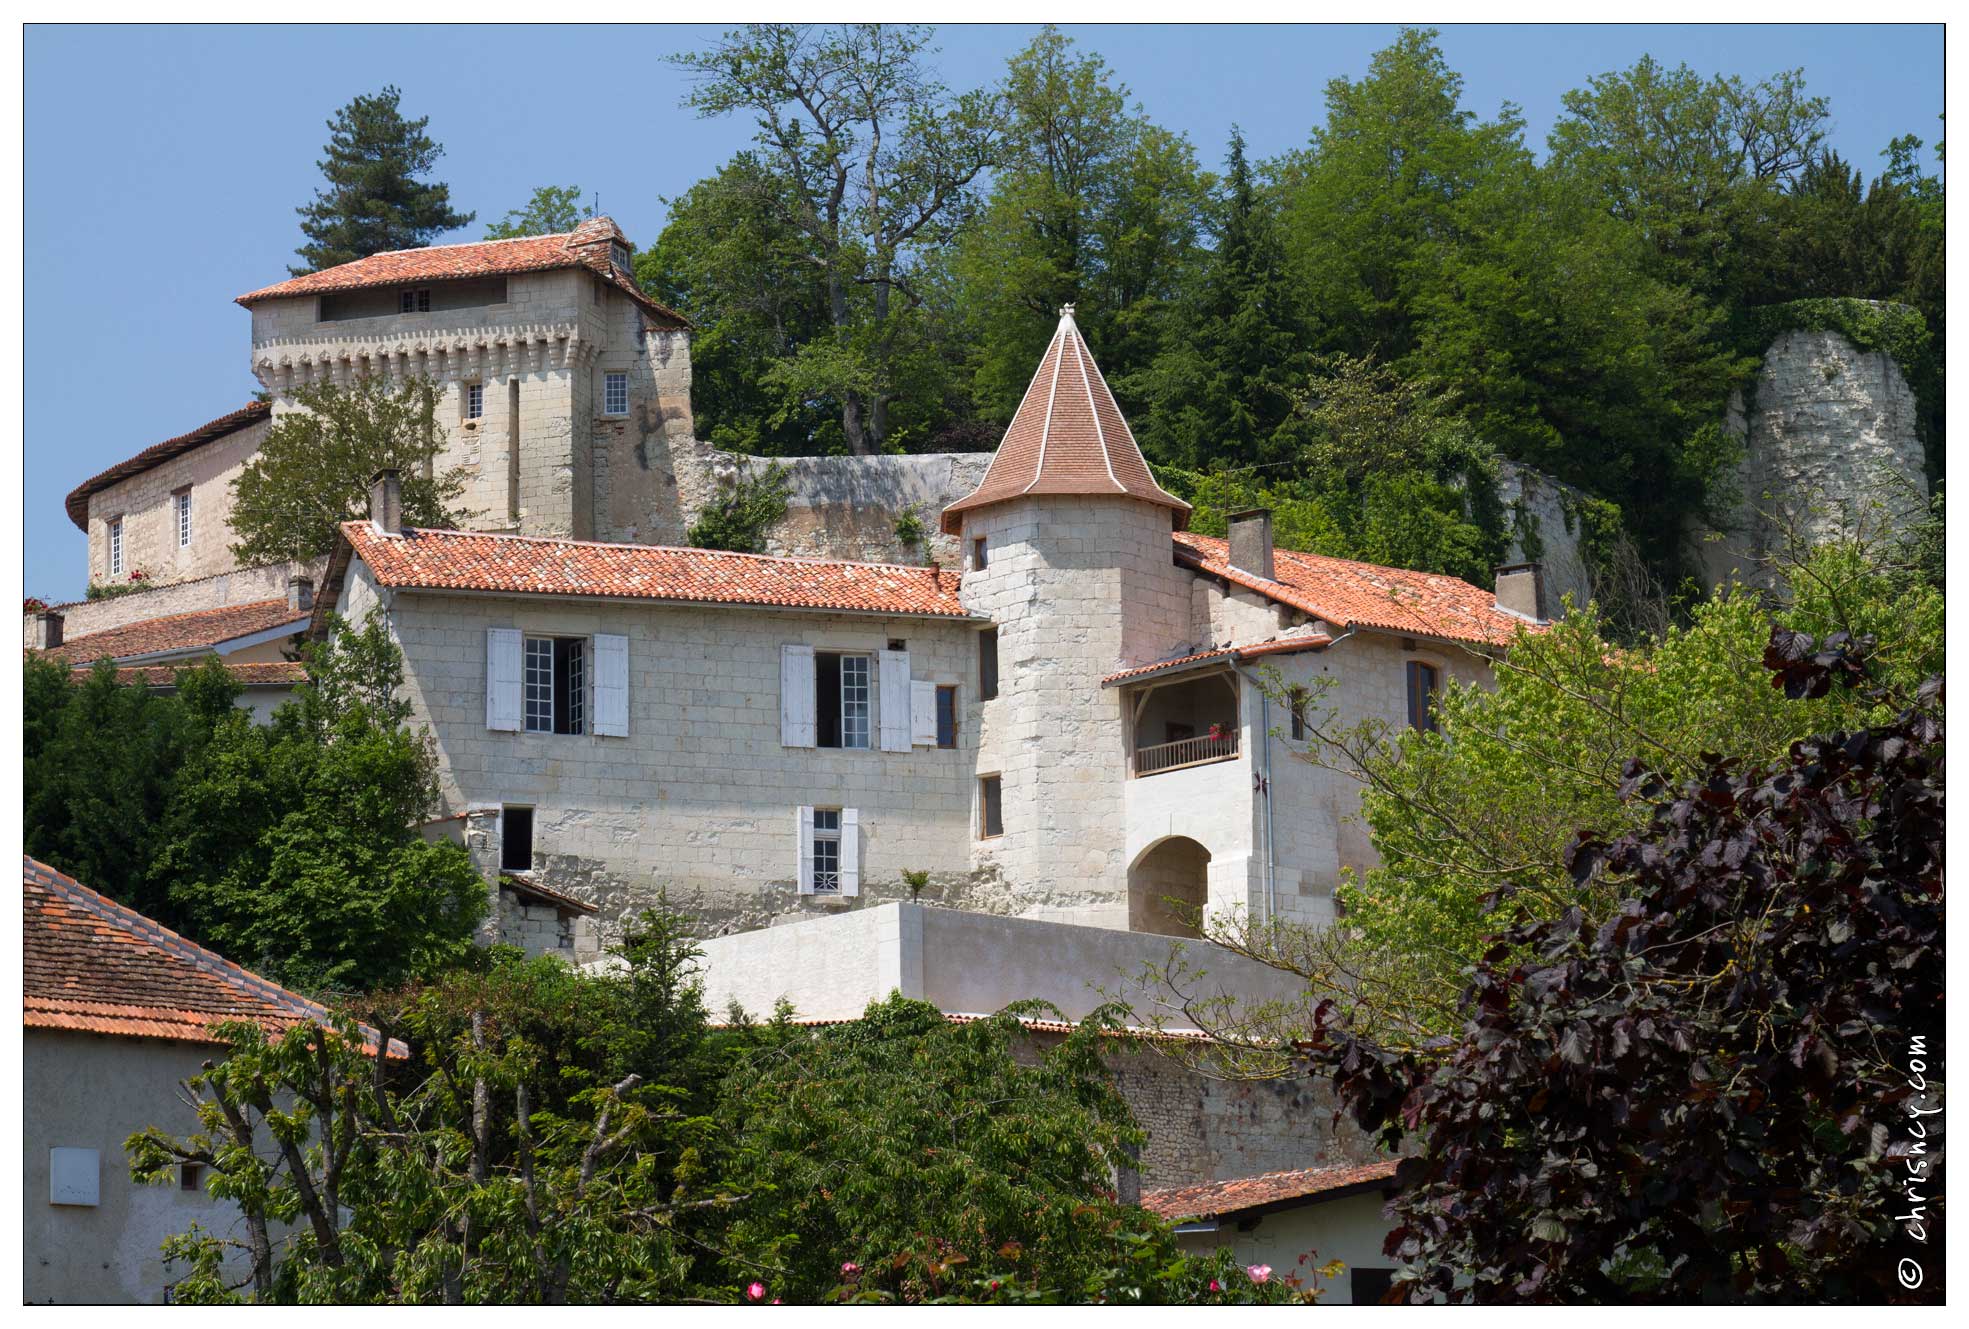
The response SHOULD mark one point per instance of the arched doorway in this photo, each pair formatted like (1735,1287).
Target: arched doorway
(1168,886)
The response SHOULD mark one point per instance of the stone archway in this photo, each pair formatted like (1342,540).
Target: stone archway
(1168,887)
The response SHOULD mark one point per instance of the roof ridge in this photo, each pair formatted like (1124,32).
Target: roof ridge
(802,559)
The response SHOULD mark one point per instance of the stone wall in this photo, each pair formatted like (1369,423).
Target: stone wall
(700,800)
(145,505)
(240,586)
(848,507)
(1546,529)
(1829,446)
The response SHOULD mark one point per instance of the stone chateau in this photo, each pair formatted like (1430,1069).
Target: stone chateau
(1064,707)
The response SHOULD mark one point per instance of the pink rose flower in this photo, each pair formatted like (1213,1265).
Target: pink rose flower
(1259,1272)
(1215,1286)
(755,1292)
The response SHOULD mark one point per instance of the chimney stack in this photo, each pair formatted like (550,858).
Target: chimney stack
(386,501)
(1251,542)
(47,633)
(300,594)
(1521,590)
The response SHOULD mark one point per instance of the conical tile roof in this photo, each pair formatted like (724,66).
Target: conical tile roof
(1068,438)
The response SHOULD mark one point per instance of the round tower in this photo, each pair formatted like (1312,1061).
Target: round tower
(1067,551)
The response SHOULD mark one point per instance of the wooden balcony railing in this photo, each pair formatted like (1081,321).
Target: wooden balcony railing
(1185,752)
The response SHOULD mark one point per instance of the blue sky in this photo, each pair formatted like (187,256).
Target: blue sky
(164,164)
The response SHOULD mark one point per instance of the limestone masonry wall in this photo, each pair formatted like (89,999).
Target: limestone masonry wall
(240,586)
(145,504)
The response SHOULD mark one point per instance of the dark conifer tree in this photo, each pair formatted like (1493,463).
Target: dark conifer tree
(375,201)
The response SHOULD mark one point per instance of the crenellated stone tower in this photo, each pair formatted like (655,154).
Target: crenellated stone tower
(1067,551)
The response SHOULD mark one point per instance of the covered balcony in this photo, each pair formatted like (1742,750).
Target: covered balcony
(1184,720)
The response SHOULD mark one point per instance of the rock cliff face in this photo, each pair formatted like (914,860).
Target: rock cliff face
(1829,448)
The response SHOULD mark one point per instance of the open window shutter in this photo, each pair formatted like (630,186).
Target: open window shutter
(894,696)
(923,714)
(611,685)
(796,703)
(502,679)
(850,852)
(805,822)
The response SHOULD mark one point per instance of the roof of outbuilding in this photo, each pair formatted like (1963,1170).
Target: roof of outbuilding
(1236,653)
(200,630)
(586,246)
(91,965)
(157,454)
(1364,595)
(1068,437)
(533,565)
(1214,1199)
(260,674)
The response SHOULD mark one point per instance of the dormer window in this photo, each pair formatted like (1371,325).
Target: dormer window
(415,302)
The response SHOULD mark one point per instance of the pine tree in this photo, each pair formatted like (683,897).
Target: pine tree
(375,202)
(1223,392)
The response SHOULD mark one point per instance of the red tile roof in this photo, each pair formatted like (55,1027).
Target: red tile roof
(195,631)
(279,673)
(1068,437)
(586,246)
(463,561)
(533,890)
(158,453)
(91,965)
(1364,595)
(1213,1199)
(1244,651)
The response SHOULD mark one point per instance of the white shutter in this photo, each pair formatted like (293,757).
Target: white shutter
(502,679)
(611,685)
(850,853)
(893,689)
(804,822)
(923,714)
(796,699)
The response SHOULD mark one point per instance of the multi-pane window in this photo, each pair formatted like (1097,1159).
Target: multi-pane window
(116,548)
(988,663)
(991,816)
(474,400)
(947,717)
(516,839)
(843,688)
(1423,680)
(181,507)
(415,302)
(827,851)
(554,691)
(615,394)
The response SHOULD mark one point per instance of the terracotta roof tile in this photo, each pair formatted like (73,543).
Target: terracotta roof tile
(158,453)
(463,561)
(1212,1199)
(1365,595)
(264,674)
(1242,651)
(92,965)
(180,632)
(587,246)
(1068,437)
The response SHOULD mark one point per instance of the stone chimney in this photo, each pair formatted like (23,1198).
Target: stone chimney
(300,593)
(1251,542)
(46,631)
(386,501)
(1521,590)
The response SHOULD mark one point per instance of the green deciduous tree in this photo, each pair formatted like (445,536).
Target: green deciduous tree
(865,164)
(313,471)
(375,200)
(552,210)
(295,848)
(1091,205)
(1717,1090)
